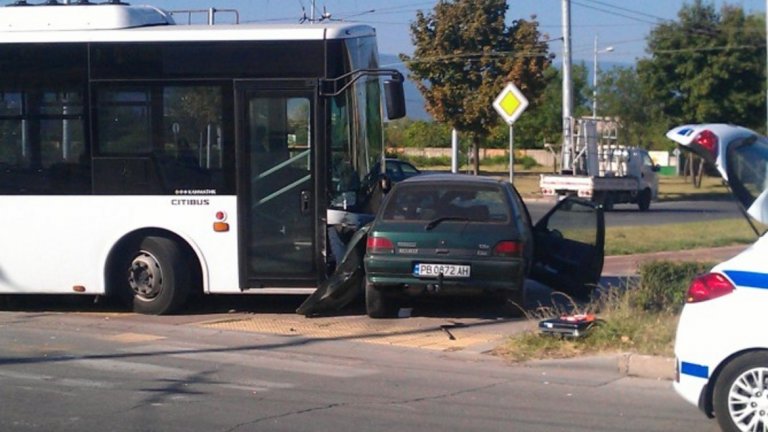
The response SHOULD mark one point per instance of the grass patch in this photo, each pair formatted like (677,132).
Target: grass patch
(627,240)
(675,188)
(639,317)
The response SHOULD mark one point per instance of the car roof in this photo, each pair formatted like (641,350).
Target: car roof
(454,178)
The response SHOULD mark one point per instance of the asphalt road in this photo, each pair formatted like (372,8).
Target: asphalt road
(660,213)
(82,372)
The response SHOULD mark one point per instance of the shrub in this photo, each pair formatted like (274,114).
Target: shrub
(527,162)
(423,161)
(663,284)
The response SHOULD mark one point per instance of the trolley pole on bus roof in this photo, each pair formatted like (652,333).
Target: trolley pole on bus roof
(312,12)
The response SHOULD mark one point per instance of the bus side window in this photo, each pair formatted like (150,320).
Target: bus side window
(177,129)
(42,143)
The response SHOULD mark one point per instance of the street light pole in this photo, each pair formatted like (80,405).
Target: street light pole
(567,150)
(594,76)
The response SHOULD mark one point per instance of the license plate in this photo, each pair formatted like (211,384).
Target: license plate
(448,270)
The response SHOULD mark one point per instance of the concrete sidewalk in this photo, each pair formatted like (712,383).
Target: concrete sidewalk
(627,265)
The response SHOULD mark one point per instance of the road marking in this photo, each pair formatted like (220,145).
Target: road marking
(66,382)
(133,337)
(257,359)
(142,369)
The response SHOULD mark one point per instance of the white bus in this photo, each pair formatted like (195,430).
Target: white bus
(150,161)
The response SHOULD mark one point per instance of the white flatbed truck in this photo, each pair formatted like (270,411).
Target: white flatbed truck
(606,173)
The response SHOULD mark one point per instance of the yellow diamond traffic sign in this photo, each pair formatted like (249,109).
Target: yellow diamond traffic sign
(510,103)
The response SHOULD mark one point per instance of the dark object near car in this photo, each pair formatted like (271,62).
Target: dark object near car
(452,234)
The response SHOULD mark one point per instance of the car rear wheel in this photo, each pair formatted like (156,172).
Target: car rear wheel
(378,304)
(741,394)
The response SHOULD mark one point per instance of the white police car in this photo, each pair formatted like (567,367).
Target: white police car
(722,338)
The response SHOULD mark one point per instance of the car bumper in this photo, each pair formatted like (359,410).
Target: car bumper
(691,388)
(486,276)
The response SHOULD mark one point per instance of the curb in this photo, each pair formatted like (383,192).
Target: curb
(625,364)
(644,366)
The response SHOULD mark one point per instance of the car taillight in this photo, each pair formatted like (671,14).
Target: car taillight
(708,141)
(379,245)
(708,287)
(508,248)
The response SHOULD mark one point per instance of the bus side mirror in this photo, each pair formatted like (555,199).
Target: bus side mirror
(395,97)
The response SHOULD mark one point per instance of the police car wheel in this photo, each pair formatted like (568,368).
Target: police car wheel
(741,394)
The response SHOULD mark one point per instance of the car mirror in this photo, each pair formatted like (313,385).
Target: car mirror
(385,183)
(656,168)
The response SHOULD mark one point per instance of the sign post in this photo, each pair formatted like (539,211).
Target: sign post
(510,104)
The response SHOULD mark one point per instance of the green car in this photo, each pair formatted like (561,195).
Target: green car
(457,235)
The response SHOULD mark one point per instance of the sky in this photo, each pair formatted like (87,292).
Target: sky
(620,24)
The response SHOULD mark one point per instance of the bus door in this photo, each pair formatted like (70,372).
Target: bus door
(277,186)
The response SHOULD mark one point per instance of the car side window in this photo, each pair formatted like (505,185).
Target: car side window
(393,172)
(647,161)
(408,170)
(576,222)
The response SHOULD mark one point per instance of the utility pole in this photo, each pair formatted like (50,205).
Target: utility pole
(567,87)
(594,76)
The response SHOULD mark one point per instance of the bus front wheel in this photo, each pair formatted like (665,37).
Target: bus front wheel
(155,277)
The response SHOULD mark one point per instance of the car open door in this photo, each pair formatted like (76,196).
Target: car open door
(569,247)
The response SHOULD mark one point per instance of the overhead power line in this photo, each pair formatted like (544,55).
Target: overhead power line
(636,12)
(610,12)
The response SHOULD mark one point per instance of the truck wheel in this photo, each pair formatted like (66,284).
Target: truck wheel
(644,200)
(153,276)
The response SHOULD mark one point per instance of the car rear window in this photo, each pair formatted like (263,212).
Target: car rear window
(748,166)
(426,202)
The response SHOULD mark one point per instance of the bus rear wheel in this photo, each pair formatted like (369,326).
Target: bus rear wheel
(155,277)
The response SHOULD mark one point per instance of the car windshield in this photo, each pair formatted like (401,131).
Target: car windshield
(427,202)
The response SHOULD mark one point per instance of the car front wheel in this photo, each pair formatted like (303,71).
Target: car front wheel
(741,394)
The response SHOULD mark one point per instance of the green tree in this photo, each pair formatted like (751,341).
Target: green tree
(624,98)
(464,53)
(708,66)
(428,134)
